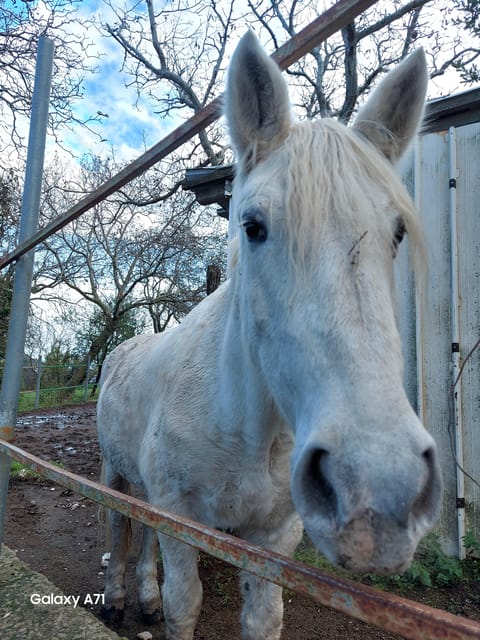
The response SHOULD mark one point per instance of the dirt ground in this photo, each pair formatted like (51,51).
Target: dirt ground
(57,533)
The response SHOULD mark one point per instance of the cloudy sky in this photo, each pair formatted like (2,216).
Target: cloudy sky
(129,124)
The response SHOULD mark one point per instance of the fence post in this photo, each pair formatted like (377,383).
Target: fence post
(17,326)
(37,385)
(87,373)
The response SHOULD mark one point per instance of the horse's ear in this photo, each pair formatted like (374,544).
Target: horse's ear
(257,106)
(393,114)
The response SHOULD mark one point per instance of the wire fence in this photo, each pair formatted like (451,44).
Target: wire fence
(45,383)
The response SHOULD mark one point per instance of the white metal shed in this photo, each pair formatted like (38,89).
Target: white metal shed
(443,174)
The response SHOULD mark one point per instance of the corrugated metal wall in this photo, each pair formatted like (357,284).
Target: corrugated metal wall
(427,328)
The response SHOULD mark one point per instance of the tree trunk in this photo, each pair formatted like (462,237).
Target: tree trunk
(214,274)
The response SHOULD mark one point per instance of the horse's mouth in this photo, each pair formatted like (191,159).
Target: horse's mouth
(372,543)
(351,564)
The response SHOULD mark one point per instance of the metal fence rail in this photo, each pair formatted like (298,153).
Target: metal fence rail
(392,613)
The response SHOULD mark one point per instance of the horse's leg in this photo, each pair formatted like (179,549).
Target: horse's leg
(120,537)
(262,611)
(181,589)
(148,590)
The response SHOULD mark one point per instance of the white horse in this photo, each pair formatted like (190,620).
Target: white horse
(281,393)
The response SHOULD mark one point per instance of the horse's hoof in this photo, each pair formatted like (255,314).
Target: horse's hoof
(152,619)
(112,615)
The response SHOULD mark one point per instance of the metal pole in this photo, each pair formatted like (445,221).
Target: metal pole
(87,374)
(456,397)
(38,384)
(24,268)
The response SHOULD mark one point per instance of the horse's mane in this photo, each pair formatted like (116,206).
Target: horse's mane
(328,166)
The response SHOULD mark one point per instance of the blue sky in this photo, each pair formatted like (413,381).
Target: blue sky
(129,124)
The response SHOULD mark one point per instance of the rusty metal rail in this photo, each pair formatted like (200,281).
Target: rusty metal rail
(335,18)
(409,619)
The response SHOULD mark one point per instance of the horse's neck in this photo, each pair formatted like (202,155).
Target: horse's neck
(243,389)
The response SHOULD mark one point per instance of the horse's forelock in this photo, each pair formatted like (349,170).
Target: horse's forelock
(328,169)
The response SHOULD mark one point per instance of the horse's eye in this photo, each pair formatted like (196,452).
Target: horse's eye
(256,231)
(400,231)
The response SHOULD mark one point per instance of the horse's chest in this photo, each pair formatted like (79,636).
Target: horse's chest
(237,500)
(258,495)
(219,489)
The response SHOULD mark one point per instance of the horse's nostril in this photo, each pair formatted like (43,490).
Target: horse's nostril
(427,501)
(318,472)
(428,454)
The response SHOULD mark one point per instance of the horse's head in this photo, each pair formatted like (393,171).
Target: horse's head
(319,212)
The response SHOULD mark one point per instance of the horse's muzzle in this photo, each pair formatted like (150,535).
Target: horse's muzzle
(366,510)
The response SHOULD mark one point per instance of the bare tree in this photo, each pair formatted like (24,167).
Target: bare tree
(175,55)
(336,75)
(21,25)
(120,258)
(9,213)
(175,52)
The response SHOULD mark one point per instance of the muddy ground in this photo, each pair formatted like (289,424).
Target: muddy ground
(57,533)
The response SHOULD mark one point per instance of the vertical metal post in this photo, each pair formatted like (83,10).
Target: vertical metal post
(87,375)
(39,378)
(24,268)
(455,301)
(419,300)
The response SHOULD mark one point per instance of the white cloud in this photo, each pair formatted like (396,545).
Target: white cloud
(128,124)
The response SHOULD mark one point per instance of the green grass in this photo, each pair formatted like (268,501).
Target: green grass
(19,471)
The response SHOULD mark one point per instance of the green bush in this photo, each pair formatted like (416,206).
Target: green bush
(472,545)
(438,569)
